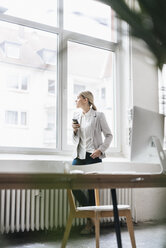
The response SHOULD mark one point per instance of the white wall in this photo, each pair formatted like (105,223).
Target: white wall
(145,81)
(150,204)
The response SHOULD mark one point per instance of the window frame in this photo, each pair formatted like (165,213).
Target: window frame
(61,85)
(109,46)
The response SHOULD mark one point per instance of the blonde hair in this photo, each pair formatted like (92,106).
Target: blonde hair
(89,96)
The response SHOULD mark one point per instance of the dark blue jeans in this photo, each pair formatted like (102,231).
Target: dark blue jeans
(79,195)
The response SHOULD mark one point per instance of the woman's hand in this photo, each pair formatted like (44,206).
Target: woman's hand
(75,127)
(96,154)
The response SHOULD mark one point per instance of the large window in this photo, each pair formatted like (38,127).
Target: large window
(49,52)
(91,69)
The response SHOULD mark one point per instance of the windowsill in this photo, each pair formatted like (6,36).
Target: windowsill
(26,157)
(57,157)
(20,163)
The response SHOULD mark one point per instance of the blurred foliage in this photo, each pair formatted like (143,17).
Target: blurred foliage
(147,22)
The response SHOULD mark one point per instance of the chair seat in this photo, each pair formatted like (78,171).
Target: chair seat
(103,208)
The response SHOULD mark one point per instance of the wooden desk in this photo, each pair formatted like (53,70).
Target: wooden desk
(82,181)
(79,181)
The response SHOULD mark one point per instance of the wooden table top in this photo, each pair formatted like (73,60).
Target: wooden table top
(78,181)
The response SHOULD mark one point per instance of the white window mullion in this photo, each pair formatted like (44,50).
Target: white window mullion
(60,76)
(64,97)
(90,41)
(28,23)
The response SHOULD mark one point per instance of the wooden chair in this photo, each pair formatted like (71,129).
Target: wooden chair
(96,212)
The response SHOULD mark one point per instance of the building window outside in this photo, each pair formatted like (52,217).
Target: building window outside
(24,83)
(48,56)
(11,49)
(11,117)
(51,86)
(54,63)
(17,82)
(16,118)
(23,120)
(12,81)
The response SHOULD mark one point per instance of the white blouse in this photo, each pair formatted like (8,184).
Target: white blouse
(86,140)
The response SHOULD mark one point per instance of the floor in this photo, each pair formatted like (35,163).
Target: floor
(148,235)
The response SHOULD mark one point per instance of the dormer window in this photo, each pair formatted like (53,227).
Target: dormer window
(48,56)
(11,49)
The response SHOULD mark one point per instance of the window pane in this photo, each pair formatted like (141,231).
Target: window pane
(32,73)
(12,50)
(41,11)
(23,118)
(24,83)
(92,69)
(11,117)
(12,81)
(91,18)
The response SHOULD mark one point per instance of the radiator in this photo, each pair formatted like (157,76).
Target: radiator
(29,210)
